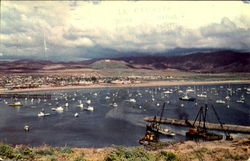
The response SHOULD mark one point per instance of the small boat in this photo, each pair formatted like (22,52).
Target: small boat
(90,108)
(76,114)
(202,95)
(167,92)
(80,105)
(220,101)
(241,100)
(114,105)
(26,128)
(186,98)
(66,104)
(58,109)
(42,114)
(88,101)
(132,100)
(190,90)
(156,128)
(16,104)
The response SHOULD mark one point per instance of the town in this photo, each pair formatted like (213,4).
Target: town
(26,81)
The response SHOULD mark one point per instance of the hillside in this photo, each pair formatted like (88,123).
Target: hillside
(213,62)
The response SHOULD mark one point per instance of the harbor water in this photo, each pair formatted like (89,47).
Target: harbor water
(117,114)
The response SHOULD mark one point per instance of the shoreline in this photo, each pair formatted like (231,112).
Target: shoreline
(143,84)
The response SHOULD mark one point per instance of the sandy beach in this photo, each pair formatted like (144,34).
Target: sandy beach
(143,84)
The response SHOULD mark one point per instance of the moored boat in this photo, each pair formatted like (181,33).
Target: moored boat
(16,104)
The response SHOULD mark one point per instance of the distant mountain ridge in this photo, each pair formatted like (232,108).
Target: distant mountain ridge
(215,62)
(209,62)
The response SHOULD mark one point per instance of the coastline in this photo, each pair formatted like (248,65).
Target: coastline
(143,84)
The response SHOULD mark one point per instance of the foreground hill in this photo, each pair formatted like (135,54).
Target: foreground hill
(213,62)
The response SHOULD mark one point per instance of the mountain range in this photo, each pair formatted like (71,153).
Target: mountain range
(200,62)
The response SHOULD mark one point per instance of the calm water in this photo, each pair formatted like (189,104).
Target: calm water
(108,125)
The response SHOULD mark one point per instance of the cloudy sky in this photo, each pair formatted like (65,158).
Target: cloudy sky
(75,30)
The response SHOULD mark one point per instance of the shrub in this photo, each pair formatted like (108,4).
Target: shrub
(44,151)
(6,151)
(80,158)
(25,151)
(133,154)
(65,149)
(168,156)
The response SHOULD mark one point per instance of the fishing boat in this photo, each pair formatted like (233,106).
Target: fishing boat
(158,129)
(16,104)
(155,126)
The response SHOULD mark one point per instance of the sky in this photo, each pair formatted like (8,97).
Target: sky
(77,30)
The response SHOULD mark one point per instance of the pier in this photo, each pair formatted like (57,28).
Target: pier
(25,95)
(212,126)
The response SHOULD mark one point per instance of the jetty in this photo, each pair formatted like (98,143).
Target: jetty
(25,95)
(212,126)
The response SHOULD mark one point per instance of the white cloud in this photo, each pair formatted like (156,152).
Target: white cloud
(140,26)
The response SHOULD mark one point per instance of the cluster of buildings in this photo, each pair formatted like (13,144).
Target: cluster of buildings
(14,81)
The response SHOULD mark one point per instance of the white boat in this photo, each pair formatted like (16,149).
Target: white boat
(202,95)
(80,105)
(227,98)
(220,101)
(132,100)
(167,92)
(26,128)
(90,108)
(76,114)
(16,104)
(42,114)
(66,104)
(58,109)
(88,101)
(114,105)
(190,90)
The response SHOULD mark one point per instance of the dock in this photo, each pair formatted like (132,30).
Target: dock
(211,126)
(25,95)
